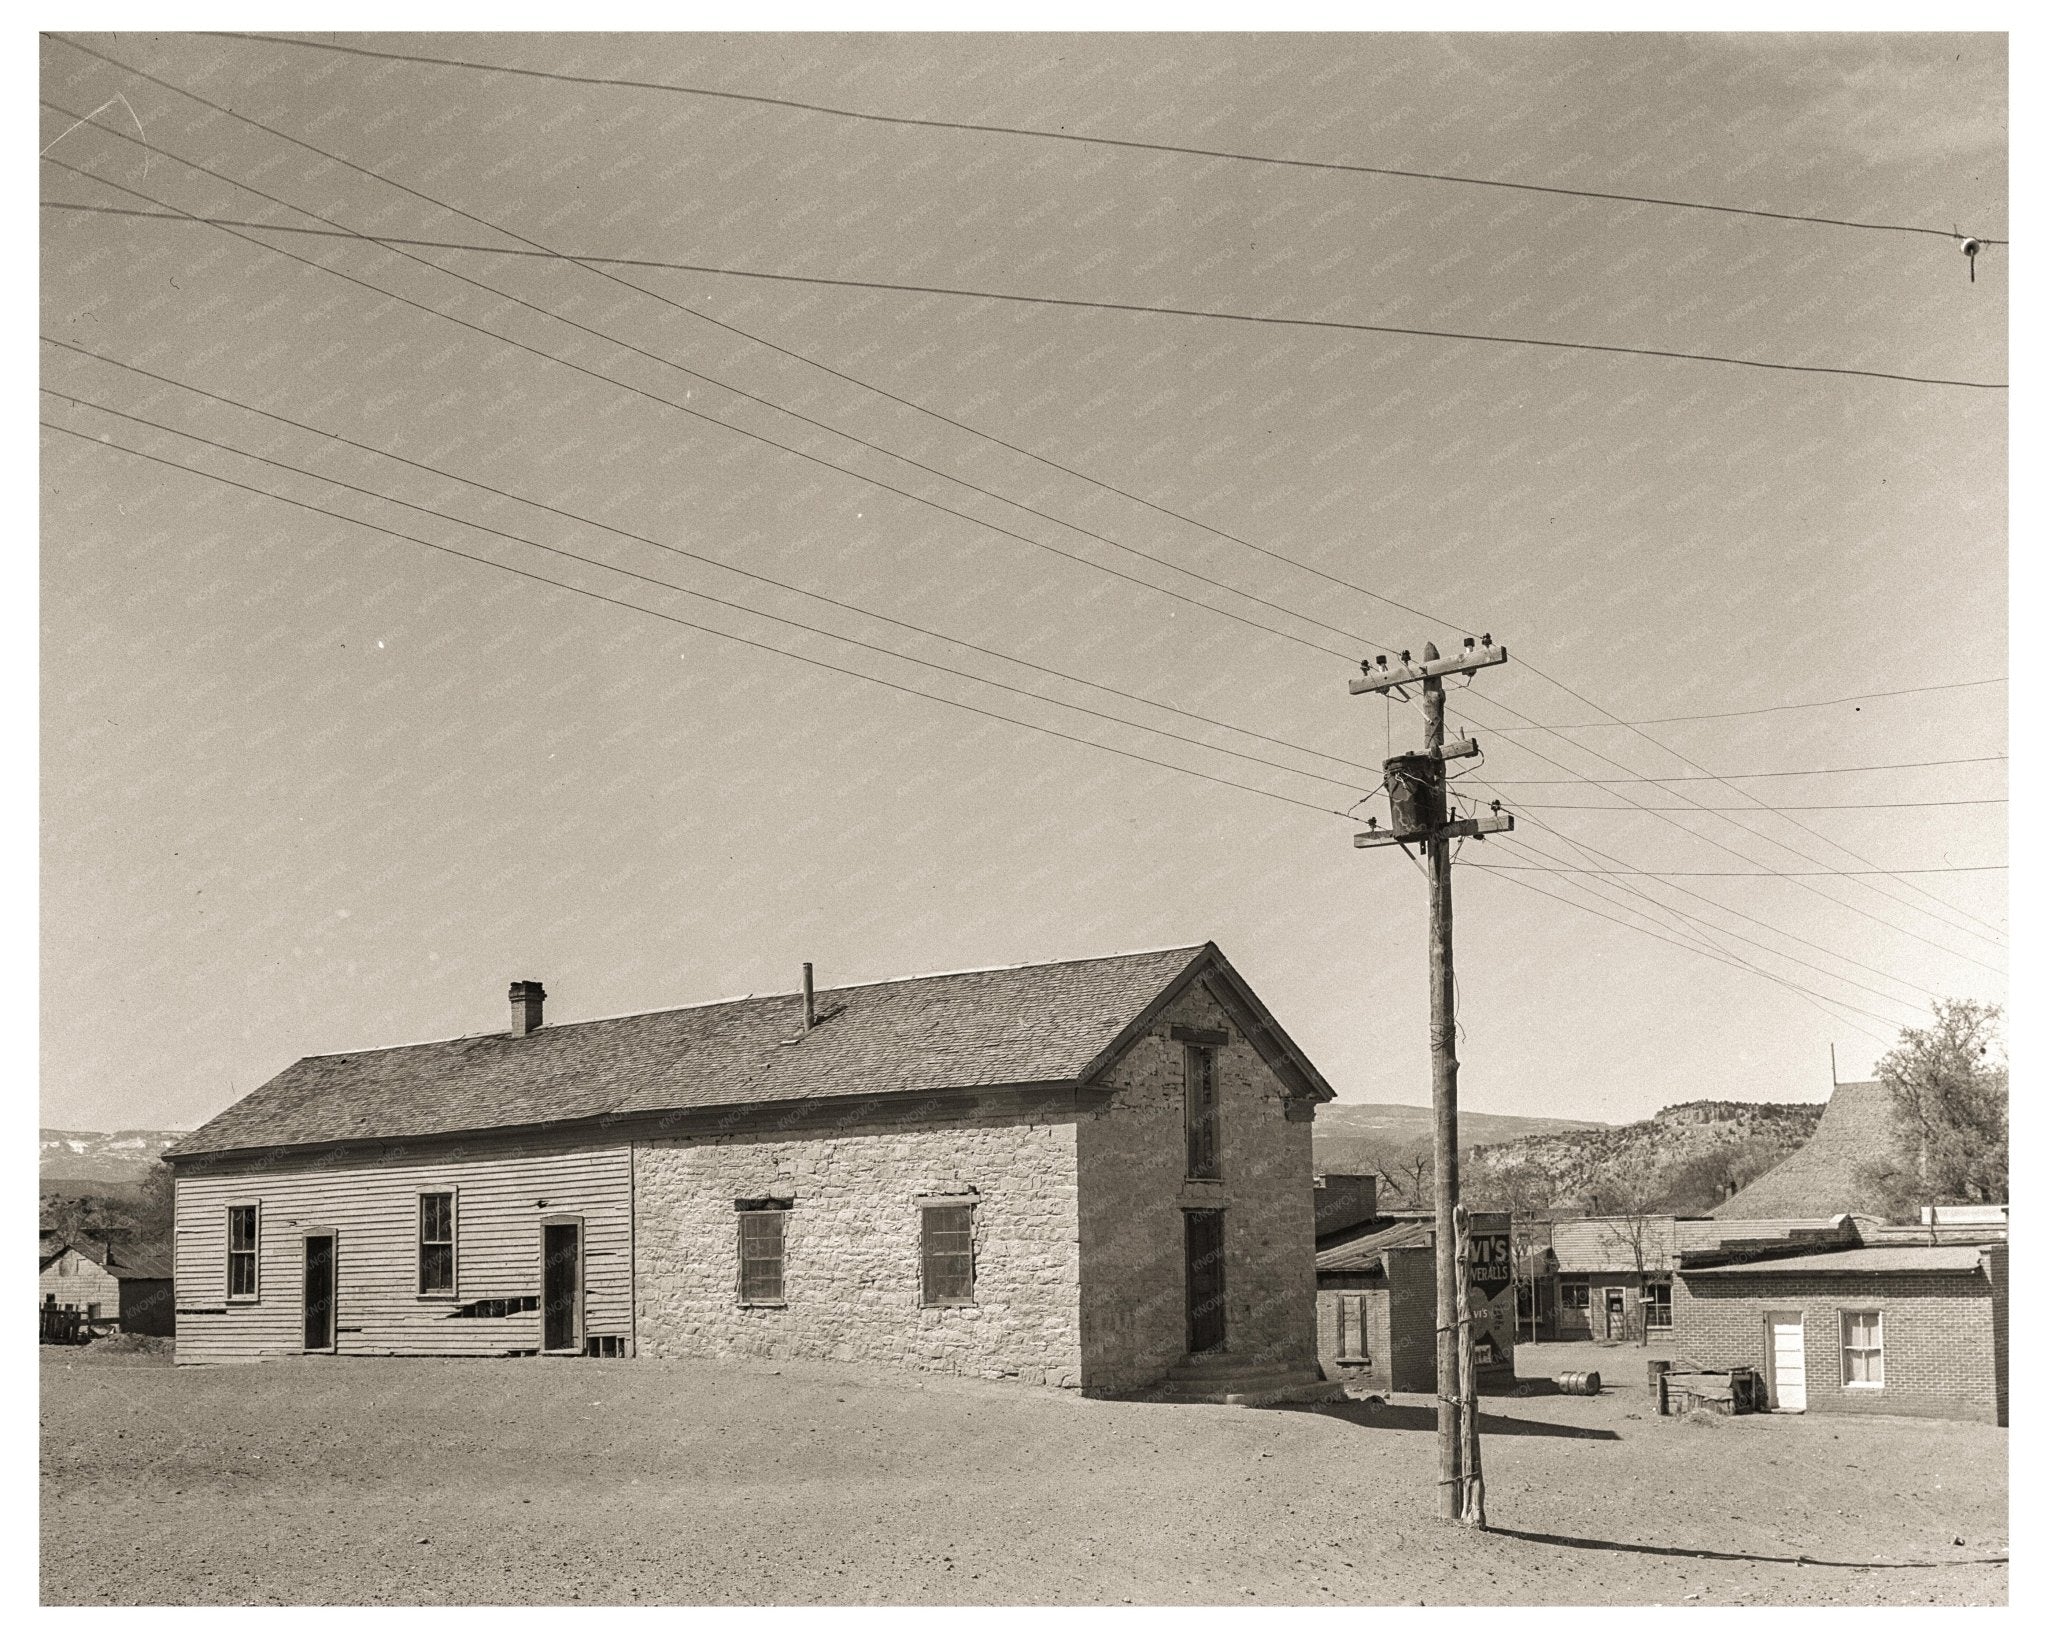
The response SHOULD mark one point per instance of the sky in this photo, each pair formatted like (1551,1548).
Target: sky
(310,787)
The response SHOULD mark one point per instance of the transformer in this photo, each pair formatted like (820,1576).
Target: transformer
(1415,796)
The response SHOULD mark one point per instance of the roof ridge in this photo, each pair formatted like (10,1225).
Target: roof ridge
(762,995)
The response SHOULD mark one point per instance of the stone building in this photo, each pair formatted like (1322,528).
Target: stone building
(1094,1174)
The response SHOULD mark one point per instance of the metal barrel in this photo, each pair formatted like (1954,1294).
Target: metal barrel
(1579,1382)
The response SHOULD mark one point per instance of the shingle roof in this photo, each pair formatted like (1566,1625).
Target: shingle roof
(139,1261)
(1003,1027)
(1824,1177)
(1859,1260)
(1600,1245)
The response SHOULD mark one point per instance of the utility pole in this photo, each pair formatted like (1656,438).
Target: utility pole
(1418,799)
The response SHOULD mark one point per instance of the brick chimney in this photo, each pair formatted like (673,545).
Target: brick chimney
(527,996)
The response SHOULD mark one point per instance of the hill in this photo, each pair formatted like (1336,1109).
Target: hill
(74,1161)
(1688,1157)
(1370,1137)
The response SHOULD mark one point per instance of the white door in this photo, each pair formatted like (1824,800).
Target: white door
(1788,1360)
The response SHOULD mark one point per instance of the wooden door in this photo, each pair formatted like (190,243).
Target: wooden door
(1205,1280)
(1786,1340)
(319,1289)
(561,1286)
(1617,1313)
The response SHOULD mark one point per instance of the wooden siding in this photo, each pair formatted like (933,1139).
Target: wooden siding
(369,1201)
(88,1283)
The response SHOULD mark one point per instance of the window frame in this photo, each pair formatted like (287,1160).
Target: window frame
(1564,1289)
(1350,1313)
(1205,1118)
(964,1204)
(779,1211)
(1872,1354)
(254,1251)
(449,1292)
(1652,1306)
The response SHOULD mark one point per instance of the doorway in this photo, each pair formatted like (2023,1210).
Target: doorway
(1785,1348)
(1617,1313)
(1205,1280)
(561,1287)
(319,1294)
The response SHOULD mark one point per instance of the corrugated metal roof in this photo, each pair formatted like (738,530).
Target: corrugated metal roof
(1364,1253)
(1859,1260)
(952,1031)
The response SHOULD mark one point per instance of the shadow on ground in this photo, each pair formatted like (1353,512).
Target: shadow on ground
(1418,1418)
(1543,1539)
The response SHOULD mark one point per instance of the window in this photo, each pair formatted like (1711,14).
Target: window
(948,1256)
(1862,1348)
(1351,1339)
(761,1255)
(1657,1304)
(92,1313)
(242,1251)
(1574,1294)
(1203,1160)
(437,1244)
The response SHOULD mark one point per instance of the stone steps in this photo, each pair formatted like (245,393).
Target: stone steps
(1218,1379)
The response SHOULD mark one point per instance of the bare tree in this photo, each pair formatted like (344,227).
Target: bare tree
(1635,1204)
(1411,1178)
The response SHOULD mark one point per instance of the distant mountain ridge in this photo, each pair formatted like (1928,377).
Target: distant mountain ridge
(70,1155)
(1694,1152)
(1358,1137)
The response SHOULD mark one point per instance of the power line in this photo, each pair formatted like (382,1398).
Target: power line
(743,432)
(981,129)
(759,340)
(1789,807)
(1775,773)
(673,619)
(717,563)
(1711,936)
(1664,938)
(744,608)
(1356,326)
(379,290)
(1763,710)
(1930,870)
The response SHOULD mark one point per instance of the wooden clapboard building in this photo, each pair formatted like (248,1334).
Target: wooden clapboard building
(1093,1173)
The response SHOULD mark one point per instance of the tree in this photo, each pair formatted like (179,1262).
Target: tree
(1949,1092)
(1526,1194)
(1636,1204)
(1411,1178)
(138,1215)
(1695,1187)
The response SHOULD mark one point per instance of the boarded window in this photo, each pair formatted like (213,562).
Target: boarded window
(761,1255)
(1862,1348)
(1203,1159)
(241,1251)
(1657,1303)
(1351,1338)
(948,1256)
(437,1243)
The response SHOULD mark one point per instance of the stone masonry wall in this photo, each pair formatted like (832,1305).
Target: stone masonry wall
(852,1261)
(1942,1336)
(1134,1189)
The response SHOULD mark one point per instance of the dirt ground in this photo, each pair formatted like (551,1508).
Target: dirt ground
(340,1481)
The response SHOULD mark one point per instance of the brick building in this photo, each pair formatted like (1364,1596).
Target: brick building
(1896,1329)
(1610,1278)
(1376,1303)
(1094,1174)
